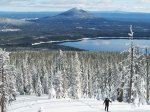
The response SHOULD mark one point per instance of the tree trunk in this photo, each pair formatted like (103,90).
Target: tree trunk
(131,75)
(147,77)
(3,98)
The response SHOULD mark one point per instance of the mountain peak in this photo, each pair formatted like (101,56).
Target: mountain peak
(76,9)
(76,13)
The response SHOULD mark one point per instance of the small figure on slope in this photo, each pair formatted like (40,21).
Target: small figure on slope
(41,109)
(106,102)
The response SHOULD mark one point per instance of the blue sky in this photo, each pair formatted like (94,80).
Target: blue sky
(62,5)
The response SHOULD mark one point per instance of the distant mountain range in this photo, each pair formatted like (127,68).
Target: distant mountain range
(104,14)
(73,24)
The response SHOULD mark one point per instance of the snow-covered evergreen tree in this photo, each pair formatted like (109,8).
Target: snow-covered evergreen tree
(7,80)
(39,89)
(52,93)
(75,76)
(130,74)
(58,85)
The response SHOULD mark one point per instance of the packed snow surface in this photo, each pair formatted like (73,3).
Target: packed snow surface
(43,104)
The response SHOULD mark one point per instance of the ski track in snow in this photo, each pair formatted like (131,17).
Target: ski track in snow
(33,104)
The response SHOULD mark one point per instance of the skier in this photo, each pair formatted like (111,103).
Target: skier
(106,102)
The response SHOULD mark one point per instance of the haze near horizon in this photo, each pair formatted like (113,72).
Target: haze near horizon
(62,5)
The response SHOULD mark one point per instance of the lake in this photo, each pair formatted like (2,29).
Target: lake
(106,44)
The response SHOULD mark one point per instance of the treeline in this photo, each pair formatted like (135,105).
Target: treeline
(76,74)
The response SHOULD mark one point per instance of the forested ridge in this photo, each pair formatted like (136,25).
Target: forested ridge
(80,74)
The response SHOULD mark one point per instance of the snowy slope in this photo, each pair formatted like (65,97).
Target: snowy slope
(33,104)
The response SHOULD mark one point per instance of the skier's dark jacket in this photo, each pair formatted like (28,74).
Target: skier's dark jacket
(107,102)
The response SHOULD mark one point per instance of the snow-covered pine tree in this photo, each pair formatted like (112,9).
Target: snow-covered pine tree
(84,77)
(130,74)
(64,70)
(19,84)
(58,85)
(44,72)
(59,76)
(25,74)
(147,77)
(112,81)
(75,76)
(39,89)
(52,93)
(7,80)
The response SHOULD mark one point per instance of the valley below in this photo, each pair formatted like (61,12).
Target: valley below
(47,31)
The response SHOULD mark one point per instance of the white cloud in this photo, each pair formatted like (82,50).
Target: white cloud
(99,5)
(145,1)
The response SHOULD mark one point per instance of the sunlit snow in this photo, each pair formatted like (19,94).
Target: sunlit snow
(43,104)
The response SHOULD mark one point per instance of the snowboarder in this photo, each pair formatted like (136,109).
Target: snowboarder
(106,102)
